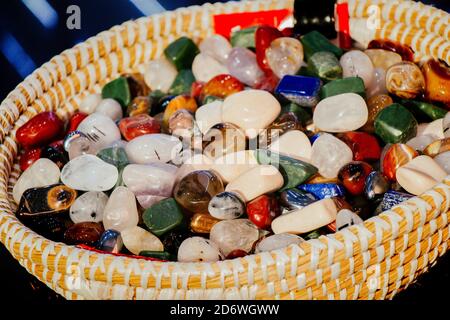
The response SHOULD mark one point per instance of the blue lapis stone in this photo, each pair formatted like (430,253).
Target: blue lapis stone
(393,198)
(314,137)
(296,199)
(110,241)
(323,190)
(300,89)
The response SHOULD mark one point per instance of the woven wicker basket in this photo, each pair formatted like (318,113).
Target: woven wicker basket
(370,261)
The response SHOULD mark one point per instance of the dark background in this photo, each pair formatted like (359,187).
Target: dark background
(33,31)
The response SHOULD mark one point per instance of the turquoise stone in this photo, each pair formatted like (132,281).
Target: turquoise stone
(181,53)
(325,65)
(424,110)
(118,90)
(182,83)
(303,114)
(244,38)
(395,124)
(161,255)
(115,156)
(346,85)
(314,42)
(294,171)
(163,216)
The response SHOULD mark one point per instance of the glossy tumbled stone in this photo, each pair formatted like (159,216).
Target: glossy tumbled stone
(100,130)
(284,56)
(57,155)
(89,173)
(139,105)
(437,80)
(299,89)
(365,147)
(159,74)
(198,249)
(294,171)
(183,82)
(277,241)
(403,50)
(262,210)
(29,157)
(110,108)
(294,144)
(395,124)
(90,102)
(115,156)
(163,216)
(423,110)
(323,190)
(150,183)
(383,58)
(443,159)
(41,129)
(378,85)
(241,63)
(325,65)
(225,206)
(222,139)
(137,239)
(196,189)
(340,113)
(396,156)
(177,103)
(392,198)
(181,53)
(216,46)
(204,68)
(405,80)
(356,63)
(304,115)
(41,173)
(232,165)
(234,234)
(374,105)
(87,233)
(329,154)
(75,121)
(110,241)
(89,207)
(353,176)
(202,222)
(296,199)
(314,42)
(251,110)
(119,90)
(434,128)
(420,174)
(287,121)
(309,218)
(437,147)
(221,86)
(346,85)
(120,211)
(244,38)
(376,185)
(420,142)
(139,125)
(149,148)
(264,35)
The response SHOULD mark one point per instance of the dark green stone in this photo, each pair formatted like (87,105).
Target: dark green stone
(115,156)
(325,65)
(294,171)
(346,85)
(314,42)
(423,110)
(163,216)
(395,124)
(305,71)
(162,255)
(312,235)
(209,99)
(244,38)
(181,52)
(118,90)
(303,114)
(182,83)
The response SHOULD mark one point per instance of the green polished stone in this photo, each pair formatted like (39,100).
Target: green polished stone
(182,83)
(294,171)
(209,99)
(423,110)
(181,52)
(305,71)
(162,255)
(115,156)
(163,216)
(346,85)
(314,42)
(303,114)
(118,90)
(325,65)
(244,38)
(395,124)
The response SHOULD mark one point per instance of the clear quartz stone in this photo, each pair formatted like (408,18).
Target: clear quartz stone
(241,63)
(236,234)
(217,47)
(285,56)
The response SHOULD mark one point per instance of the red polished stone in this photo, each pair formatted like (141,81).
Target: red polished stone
(365,147)
(264,35)
(238,253)
(262,210)
(353,176)
(395,156)
(40,130)
(221,86)
(75,120)
(287,32)
(139,125)
(405,51)
(29,157)
(196,89)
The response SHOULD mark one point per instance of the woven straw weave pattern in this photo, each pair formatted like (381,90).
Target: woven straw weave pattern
(370,261)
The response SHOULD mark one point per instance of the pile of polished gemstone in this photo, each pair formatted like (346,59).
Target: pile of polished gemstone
(229,148)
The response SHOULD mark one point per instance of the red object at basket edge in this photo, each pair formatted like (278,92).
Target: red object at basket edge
(224,24)
(343,18)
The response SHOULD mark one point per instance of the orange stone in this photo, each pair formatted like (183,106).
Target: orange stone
(221,86)
(202,222)
(179,102)
(139,125)
(437,80)
(396,156)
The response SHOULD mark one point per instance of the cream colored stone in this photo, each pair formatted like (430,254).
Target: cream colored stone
(420,174)
(137,239)
(255,182)
(205,67)
(121,211)
(435,128)
(309,218)
(90,103)
(194,163)
(251,110)
(232,165)
(209,115)
(294,144)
